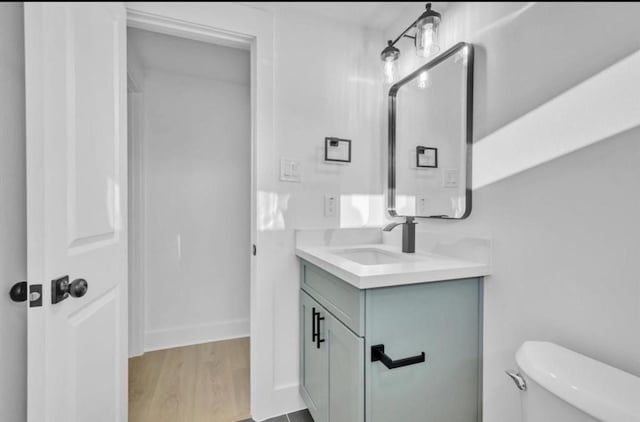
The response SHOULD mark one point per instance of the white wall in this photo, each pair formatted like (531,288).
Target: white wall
(13,248)
(196,154)
(326,84)
(565,233)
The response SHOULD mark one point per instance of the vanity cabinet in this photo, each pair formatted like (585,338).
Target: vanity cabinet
(332,365)
(429,333)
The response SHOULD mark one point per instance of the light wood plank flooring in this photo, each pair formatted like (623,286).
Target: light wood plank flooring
(205,382)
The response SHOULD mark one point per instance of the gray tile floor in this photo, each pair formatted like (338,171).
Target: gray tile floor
(301,416)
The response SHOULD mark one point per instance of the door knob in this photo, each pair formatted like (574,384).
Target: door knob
(18,292)
(78,287)
(62,289)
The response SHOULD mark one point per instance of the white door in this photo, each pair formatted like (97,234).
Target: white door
(76,210)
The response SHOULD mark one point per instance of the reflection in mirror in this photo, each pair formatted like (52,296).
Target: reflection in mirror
(430,119)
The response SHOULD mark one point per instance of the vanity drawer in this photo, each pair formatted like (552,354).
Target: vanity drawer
(344,301)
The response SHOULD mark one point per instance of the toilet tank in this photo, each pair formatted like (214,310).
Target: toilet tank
(562,385)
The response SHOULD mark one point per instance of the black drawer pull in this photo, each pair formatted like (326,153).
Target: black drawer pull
(377,354)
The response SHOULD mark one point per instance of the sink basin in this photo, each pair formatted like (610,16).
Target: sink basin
(369,256)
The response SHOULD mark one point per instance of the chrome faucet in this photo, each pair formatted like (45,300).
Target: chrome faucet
(408,234)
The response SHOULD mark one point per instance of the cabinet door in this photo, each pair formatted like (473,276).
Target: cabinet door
(346,373)
(314,358)
(442,320)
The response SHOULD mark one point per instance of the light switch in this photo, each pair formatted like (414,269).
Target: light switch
(330,205)
(450,178)
(289,170)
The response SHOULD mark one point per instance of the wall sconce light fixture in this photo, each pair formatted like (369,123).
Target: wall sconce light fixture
(425,39)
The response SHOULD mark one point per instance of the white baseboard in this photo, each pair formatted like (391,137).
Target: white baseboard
(289,398)
(285,399)
(196,334)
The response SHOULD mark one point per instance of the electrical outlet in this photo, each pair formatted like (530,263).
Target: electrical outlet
(330,205)
(421,206)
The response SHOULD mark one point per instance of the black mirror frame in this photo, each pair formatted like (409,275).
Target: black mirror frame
(393,91)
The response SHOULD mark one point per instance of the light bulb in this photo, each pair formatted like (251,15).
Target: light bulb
(389,57)
(427,33)
(427,40)
(389,69)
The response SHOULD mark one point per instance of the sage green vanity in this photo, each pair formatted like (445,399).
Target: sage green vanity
(341,323)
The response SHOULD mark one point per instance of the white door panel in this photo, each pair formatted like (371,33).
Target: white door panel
(76,205)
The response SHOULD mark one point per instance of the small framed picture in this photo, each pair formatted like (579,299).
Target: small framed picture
(337,150)
(426,157)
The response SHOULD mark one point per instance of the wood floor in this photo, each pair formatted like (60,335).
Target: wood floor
(206,382)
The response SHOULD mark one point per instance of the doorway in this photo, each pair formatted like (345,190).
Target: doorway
(189,228)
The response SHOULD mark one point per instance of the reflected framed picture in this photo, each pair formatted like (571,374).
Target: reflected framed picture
(426,157)
(337,150)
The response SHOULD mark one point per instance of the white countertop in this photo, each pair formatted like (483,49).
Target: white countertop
(420,267)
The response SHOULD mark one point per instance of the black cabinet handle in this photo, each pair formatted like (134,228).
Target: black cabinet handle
(316,329)
(377,354)
(318,339)
(314,334)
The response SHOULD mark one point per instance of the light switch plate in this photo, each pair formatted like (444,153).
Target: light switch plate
(289,170)
(451,178)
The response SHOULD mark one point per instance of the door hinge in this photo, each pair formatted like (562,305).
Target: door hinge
(35,295)
(255,250)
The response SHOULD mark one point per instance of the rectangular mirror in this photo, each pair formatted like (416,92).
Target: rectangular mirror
(430,135)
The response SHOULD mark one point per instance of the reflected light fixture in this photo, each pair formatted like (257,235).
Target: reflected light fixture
(425,38)
(423,80)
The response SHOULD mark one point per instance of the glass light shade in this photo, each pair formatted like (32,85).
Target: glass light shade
(427,35)
(390,71)
(389,57)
